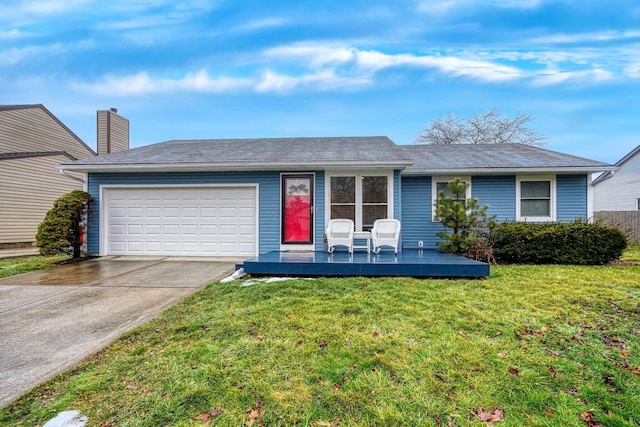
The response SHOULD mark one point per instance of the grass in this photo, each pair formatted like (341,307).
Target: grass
(549,345)
(12,266)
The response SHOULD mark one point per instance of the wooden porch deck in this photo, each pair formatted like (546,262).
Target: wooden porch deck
(408,262)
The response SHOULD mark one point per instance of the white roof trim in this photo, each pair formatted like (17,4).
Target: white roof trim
(215,167)
(485,171)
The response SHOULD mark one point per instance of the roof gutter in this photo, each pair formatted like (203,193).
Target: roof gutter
(217,167)
(72,177)
(502,171)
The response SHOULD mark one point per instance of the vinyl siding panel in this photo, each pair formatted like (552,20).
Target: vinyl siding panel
(619,193)
(28,188)
(112,132)
(397,195)
(102,132)
(268,198)
(319,211)
(416,219)
(34,130)
(499,192)
(571,193)
(119,133)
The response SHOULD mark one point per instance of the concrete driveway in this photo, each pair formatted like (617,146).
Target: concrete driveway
(51,320)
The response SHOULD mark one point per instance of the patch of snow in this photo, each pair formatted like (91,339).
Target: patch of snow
(68,419)
(236,275)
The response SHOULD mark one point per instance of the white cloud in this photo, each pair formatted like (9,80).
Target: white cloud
(369,62)
(11,34)
(310,67)
(50,7)
(201,82)
(321,80)
(315,56)
(142,84)
(586,37)
(14,56)
(269,81)
(633,70)
(450,65)
(263,23)
(552,77)
(443,7)
(16,13)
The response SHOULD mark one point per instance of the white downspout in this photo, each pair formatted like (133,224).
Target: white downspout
(72,177)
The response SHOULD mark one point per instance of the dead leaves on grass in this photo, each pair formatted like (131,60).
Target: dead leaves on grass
(255,414)
(489,417)
(613,341)
(590,419)
(208,416)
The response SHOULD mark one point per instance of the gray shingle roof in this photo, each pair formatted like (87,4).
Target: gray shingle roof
(337,152)
(266,153)
(498,157)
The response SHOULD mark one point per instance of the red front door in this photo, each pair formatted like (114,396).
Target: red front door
(297,209)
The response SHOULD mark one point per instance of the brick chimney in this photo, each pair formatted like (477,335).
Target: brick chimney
(113,131)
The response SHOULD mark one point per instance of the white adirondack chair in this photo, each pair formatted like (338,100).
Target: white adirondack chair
(340,233)
(385,232)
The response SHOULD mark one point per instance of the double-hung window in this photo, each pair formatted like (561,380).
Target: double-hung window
(362,198)
(535,198)
(441,183)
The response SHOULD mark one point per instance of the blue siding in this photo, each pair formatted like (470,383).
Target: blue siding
(319,214)
(269,198)
(412,201)
(397,195)
(571,192)
(499,192)
(416,213)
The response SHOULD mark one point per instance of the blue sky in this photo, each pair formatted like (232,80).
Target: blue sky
(256,68)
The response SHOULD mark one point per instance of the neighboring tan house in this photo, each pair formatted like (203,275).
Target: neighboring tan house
(33,142)
(619,190)
(247,197)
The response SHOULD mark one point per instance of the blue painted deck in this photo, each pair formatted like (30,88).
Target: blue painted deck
(408,262)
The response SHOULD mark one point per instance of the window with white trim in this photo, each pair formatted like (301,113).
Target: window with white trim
(362,198)
(440,183)
(536,198)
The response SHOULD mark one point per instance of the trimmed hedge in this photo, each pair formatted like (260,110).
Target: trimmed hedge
(60,232)
(578,242)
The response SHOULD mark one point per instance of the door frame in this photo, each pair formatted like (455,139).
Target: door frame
(307,246)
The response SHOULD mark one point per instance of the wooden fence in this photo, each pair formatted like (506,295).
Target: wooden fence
(627,221)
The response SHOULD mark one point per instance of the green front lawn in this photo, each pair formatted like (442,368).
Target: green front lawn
(12,266)
(548,345)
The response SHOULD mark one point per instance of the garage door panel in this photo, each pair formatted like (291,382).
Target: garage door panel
(170,212)
(118,229)
(200,221)
(135,229)
(117,212)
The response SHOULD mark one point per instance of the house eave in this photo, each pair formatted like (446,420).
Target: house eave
(503,171)
(227,167)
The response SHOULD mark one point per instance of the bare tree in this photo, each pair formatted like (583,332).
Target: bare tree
(490,127)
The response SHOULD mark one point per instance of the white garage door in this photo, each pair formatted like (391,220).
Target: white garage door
(202,221)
